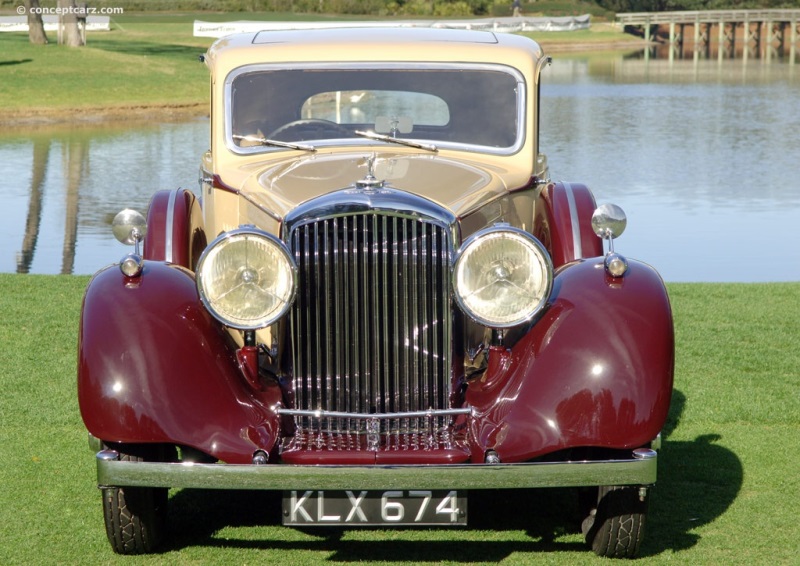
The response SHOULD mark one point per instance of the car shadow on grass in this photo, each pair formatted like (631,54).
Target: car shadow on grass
(698,481)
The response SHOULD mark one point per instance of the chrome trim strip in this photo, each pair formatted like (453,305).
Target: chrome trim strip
(260,206)
(635,471)
(389,201)
(344,415)
(169,226)
(573,218)
(546,60)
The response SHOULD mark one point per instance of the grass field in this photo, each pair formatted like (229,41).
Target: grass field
(147,60)
(727,493)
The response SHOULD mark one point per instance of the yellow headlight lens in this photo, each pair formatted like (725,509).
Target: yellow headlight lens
(246,279)
(502,277)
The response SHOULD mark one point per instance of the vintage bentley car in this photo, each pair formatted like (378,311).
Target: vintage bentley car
(377,301)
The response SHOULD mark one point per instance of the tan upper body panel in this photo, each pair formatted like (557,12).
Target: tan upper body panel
(454,184)
(372,44)
(459,179)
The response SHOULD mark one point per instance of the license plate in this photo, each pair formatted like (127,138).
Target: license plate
(362,508)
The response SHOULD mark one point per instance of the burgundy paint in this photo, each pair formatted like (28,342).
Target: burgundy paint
(218,183)
(544,395)
(247,357)
(153,366)
(188,237)
(553,223)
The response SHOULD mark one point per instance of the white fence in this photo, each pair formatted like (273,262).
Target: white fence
(569,23)
(20,23)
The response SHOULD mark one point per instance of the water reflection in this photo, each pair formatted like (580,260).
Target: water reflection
(41,154)
(65,184)
(74,158)
(702,155)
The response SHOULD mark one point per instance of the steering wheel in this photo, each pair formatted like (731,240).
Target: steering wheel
(310,129)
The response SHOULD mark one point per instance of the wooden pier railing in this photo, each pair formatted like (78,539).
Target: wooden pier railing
(760,33)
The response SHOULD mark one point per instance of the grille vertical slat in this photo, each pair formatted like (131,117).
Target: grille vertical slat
(366,319)
(397,328)
(370,322)
(435,346)
(340,320)
(414,386)
(387,384)
(424,349)
(406,396)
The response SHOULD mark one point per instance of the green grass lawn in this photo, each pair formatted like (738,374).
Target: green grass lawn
(727,490)
(146,60)
(144,64)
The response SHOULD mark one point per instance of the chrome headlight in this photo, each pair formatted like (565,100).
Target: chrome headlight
(246,279)
(502,277)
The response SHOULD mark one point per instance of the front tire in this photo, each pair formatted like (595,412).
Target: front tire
(615,527)
(136,517)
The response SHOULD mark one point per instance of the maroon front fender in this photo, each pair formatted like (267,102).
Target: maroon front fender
(595,371)
(175,228)
(563,222)
(153,366)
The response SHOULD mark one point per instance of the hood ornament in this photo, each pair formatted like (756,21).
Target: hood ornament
(370,181)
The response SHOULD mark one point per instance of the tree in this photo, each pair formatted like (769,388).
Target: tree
(70,34)
(36,33)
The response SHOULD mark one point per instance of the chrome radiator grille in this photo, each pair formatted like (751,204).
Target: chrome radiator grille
(371,321)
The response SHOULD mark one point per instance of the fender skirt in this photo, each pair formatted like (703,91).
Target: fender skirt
(596,370)
(155,367)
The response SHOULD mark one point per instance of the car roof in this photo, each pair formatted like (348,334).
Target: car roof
(376,35)
(369,44)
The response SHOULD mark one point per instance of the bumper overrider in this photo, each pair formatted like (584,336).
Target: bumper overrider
(639,469)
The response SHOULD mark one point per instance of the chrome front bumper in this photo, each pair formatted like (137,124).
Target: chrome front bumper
(640,469)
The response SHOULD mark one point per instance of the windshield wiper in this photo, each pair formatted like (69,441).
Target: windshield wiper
(400,141)
(275,143)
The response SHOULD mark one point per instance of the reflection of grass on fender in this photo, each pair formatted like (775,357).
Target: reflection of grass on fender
(726,494)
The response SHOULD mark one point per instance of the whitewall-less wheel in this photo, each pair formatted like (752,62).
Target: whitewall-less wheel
(615,527)
(136,517)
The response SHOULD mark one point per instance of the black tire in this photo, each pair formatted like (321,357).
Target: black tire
(136,517)
(615,527)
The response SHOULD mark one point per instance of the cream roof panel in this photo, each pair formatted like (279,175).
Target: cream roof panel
(372,44)
(377,35)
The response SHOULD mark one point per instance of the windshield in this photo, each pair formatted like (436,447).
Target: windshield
(478,106)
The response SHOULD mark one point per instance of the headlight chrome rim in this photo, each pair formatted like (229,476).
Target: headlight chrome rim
(542,260)
(246,276)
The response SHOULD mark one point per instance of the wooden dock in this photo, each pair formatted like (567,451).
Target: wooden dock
(747,33)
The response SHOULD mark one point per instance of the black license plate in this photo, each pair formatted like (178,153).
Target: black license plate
(362,508)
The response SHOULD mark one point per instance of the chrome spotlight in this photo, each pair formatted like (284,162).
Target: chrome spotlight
(609,222)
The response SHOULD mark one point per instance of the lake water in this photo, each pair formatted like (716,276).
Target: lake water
(704,156)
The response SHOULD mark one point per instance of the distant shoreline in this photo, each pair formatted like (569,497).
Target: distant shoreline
(86,116)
